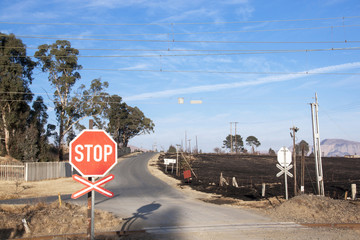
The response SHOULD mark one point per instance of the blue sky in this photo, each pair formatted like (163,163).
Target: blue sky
(245,60)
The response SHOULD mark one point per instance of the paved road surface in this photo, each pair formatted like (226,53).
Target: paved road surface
(148,203)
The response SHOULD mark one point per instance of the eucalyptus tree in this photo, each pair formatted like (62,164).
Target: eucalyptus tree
(126,122)
(15,94)
(60,60)
(300,145)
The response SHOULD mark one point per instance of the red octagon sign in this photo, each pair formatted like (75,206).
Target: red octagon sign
(93,153)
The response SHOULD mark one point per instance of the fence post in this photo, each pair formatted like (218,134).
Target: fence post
(263,190)
(26,169)
(353,191)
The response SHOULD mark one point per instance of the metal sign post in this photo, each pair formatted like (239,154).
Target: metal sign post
(93,153)
(284,159)
(167,161)
(92,231)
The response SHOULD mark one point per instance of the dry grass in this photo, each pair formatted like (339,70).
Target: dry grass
(52,219)
(20,189)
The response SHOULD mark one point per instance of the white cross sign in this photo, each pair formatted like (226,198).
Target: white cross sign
(282,170)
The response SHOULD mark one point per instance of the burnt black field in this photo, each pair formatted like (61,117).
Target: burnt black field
(251,171)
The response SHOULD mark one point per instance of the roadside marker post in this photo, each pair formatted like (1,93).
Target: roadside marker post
(284,159)
(93,153)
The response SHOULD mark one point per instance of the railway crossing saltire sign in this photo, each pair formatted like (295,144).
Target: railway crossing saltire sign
(93,153)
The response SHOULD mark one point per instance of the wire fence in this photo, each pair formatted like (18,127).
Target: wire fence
(12,172)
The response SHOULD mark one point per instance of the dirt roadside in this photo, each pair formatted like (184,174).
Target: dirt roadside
(51,219)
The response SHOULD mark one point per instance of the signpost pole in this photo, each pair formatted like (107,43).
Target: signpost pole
(92,211)
(93,153)
(284,159)
(285,168)
(90,233)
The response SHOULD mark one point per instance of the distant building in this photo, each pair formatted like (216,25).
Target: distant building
(352,156)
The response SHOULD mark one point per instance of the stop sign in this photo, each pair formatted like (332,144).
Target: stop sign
(93,153)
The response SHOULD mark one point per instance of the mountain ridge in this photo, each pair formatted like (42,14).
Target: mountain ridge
(339,147)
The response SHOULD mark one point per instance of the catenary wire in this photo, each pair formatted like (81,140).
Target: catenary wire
(190,41)
(215,72)
(197,33)
(189,23)
(238,52)
(199,50)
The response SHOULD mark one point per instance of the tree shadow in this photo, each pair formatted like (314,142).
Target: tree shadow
(141,213)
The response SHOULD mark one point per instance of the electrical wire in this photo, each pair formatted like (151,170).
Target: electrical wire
(202,50)
(215,72)
(195,33)
(246,52)
(189,41)
(189,23)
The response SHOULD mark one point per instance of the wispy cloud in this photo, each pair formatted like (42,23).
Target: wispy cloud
(259,81)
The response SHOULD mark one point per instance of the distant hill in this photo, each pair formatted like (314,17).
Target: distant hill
(339,147)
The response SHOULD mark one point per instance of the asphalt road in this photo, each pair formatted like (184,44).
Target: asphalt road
(149,203)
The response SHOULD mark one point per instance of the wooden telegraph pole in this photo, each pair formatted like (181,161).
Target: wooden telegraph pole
(235,137)
(294,130)
(302,188)
(231,143)
(177,160)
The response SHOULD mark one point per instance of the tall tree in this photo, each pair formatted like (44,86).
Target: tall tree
(15,78)
(238,145)
(126,122)
(252,142)
(41,131)
(171,149)
(298,147)
(61,62)
(272,152)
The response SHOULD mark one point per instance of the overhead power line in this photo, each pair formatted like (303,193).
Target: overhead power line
(196,33)
(238,52)
(189,41)
(217,72)
(199,50)
(189,23)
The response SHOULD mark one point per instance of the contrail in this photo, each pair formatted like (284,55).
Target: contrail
(258,81)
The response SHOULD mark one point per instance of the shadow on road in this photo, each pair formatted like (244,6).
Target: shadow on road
(141,213)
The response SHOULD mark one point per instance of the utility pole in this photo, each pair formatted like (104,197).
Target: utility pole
(317,148)
(236,149)
(177,160)
(231,143)
(294,130)
(197,147)
(189,146)
(185,143)
(302,188)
